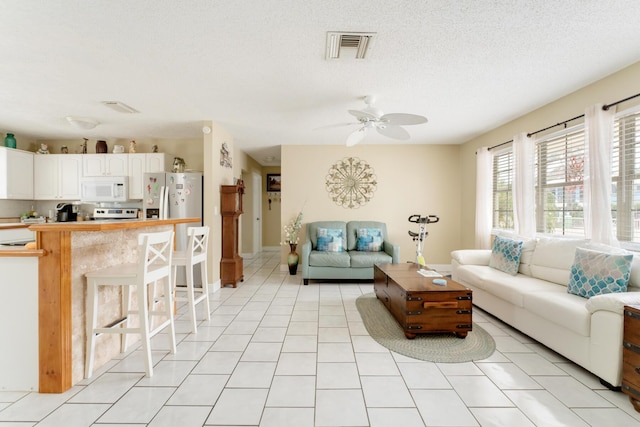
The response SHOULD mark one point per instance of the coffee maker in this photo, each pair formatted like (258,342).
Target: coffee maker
(66,212)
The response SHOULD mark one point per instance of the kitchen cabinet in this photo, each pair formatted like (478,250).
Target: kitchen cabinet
(57,176)
(16,174)
(141,163)
(105,165)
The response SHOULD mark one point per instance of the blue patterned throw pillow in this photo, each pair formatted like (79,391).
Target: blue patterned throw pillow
(329,240)
(505,255)
(594,273)
(369,240)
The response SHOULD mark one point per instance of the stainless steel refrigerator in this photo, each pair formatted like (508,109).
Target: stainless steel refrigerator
(174,195)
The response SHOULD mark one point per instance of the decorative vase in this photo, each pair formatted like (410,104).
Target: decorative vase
(292,259)
(101,147)
(10,141)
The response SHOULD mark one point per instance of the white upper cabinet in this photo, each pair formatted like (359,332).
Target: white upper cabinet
(141,163)
(16,174)
(105,164)
(57,176)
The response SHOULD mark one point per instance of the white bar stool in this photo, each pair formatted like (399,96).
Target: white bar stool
(196,253)
(155,251)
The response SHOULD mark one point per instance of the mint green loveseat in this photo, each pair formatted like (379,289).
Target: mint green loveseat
(350,263)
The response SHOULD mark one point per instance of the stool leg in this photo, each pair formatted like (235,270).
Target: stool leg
(205,288)
(191,298)
(143,314)
(91,321)
(124,311)
(168,304)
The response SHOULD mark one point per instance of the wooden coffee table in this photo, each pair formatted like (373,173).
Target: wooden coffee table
(419,305)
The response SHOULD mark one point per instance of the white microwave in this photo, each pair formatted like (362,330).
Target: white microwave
(104,189)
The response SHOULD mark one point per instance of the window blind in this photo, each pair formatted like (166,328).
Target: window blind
(559,172)
(502,190)
(625,177)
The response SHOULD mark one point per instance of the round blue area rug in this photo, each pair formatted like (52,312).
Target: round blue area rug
(442,348)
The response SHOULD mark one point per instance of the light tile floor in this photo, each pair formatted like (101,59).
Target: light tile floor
(279,354)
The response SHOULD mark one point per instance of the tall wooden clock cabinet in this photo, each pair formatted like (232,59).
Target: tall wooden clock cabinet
(230,208)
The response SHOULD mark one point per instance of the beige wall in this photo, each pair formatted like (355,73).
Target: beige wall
(216,175)
(615,87)
(412,179)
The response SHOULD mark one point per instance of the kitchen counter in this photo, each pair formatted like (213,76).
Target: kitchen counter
(69,250)
(108,224)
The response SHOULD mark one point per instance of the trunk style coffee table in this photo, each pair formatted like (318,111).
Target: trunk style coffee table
(419,305)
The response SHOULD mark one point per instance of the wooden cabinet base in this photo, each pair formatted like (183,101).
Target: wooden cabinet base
(231,271)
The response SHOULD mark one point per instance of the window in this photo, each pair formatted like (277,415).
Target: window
(625,178)
(559,179)
(502,190)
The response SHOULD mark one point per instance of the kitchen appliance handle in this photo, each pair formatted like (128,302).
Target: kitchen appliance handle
(161,201)
(165,202)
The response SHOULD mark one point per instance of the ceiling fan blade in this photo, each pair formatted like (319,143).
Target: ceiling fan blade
(337,125)
(360,115)
(394,132)
(356,136)
(403,119)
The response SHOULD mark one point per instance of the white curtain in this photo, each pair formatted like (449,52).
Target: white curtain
(523,186)
(598,223)
(484,191)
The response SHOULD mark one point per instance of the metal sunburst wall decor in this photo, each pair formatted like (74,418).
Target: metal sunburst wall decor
(351,183)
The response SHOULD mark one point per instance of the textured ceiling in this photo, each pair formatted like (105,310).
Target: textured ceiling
(258,68)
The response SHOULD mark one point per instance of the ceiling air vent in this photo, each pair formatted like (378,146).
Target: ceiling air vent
(341,45)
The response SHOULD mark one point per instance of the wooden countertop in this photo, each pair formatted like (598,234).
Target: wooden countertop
(105,225)
(100,225)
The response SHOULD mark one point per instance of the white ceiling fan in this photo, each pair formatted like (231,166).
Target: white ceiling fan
(386,124)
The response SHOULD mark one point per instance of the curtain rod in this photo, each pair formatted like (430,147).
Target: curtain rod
(604,107)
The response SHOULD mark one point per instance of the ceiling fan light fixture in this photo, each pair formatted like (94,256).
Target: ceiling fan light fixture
(84,123)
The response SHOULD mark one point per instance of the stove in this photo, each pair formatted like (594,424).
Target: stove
(115,213)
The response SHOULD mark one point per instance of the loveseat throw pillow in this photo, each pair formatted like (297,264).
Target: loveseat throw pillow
(369,240)
(329,240)
(595,273)
(505,255)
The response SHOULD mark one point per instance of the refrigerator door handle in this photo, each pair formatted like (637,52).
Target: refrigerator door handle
(161,212)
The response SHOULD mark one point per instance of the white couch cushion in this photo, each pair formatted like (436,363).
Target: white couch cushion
(500,284)
(565,310)
(553,257)
(513,289)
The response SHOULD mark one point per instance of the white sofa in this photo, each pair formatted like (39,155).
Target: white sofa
(535,301)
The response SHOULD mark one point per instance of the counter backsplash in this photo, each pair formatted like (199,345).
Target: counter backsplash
(14,208)
(11,210)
